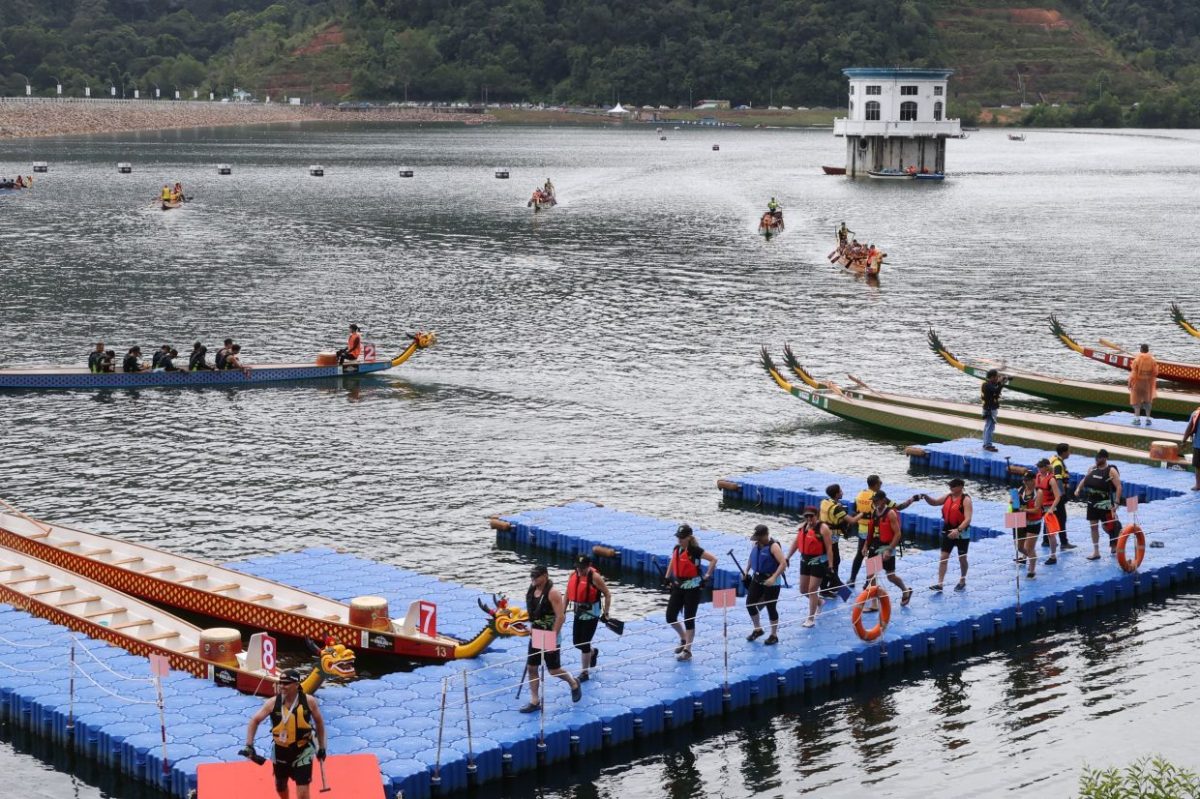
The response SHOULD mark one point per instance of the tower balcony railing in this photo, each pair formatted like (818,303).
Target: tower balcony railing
(950,128)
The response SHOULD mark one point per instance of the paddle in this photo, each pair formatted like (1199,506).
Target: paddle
(1114,346)
(248,751)
(27,518)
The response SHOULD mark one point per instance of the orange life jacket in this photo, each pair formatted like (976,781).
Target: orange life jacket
(354,345)
(581,589)
(682,565)
(810,541)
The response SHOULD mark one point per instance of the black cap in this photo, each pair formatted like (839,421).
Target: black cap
(1102,455)
(583,560)
(289,676)
(683,531)
(1028,477)
(1044,462)
(879,496)
(538,571)
(760,530)
(957,482)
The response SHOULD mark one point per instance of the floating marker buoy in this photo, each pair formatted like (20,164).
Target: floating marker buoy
(317,171)
(41,166)
(716,147)
(124,167)
(502,174)
(406,172)
(224,169)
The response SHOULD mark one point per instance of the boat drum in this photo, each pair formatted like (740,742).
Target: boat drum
(326,359)
(370,612)
(1164,450)
(221,645)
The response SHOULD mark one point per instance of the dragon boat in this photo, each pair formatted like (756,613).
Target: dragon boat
(1177,404)
(541,199)
(932,424)
(770,224)
(1182,322)
(326,366)
(172,204)
(1120,435)
(99,611)
(1121,358)
(204,588)
(865,263)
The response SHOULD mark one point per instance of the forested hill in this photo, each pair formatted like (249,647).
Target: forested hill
(597,51)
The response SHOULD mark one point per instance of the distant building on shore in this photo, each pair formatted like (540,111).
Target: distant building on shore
(712,105)
(897,120)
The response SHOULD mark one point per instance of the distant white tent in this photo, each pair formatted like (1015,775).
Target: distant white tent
(618,109)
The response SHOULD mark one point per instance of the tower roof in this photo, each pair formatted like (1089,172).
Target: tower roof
(896,73)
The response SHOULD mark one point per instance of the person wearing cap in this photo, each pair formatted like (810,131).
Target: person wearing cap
(1030,501)
(685,578)
(133,360)
(585,587)
(1143,384)
(883,537)
(1101,488)
(864,504)
(1050,496)
(989,393)
(956,530)
(767,565)
(547,611)
(814,540)
(294,716)
(353,348)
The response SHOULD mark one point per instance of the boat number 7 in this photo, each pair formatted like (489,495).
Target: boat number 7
(428,618)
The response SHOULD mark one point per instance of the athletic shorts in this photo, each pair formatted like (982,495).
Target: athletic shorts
(815,569)
(889,563)
(1095,514)
(553,659)
(301,775)
(948,544)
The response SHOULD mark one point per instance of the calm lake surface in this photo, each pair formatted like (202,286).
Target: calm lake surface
(606,349)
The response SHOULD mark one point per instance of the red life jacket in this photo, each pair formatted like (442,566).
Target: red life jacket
(953,514)
(682,565)
(1043,483)
(580,589)
(881,525)
(810,542)
(1029,504)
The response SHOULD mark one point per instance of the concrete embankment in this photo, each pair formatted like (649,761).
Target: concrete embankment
(22,117)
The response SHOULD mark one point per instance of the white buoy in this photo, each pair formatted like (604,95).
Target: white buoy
(502,174)
(124,167)
(41,166)
(406,172)
(716,147)
(317,171)
(224,169)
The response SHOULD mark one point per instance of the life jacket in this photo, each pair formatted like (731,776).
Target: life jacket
(582,591)
(1028,503)
(166,194)
(953,514)
(294,728)
(1045,483)
(354,345)
(762,562)
(221,356)
(541,612)
(863,505)
(881,526)
(1059,469)
(1098,484)
(682,565)
(810,542)
(833,514)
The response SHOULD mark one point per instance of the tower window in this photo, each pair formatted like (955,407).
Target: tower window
(872,110)
(908,90)
(937,91)
(874,90)
(908,112)
(937,112)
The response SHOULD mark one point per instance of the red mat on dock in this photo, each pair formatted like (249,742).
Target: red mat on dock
(348,777)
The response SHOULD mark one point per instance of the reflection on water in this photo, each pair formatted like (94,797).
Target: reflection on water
(605,349)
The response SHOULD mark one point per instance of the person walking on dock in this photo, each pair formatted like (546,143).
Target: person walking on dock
(882,539)
(956,530)
(1058,468)
(685,578)
(1101,487)
(1049,495)
(834,514)
(547,611)
(585,587)
(295,716)
(1190,432)
(767,565)
(989,392)
(1143,384)
(864,504)
(814,541)
(1030,502)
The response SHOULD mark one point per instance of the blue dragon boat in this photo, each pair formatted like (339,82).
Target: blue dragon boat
(325,366)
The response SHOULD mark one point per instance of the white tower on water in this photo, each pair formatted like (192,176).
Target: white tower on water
(897,119)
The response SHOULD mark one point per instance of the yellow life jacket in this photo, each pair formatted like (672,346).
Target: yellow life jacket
(291,726)
(863,504)
(166,195)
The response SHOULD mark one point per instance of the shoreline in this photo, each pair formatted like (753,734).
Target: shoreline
(22,118)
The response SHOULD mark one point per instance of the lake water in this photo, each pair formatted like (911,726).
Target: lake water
(605,349)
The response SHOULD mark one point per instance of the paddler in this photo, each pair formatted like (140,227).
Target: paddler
(166,193)
(585,588)
(843,233)
(548,189)
(1143,374)
(353,348)
(294,717)
(772,206)
(177,193)
(1101,487)
(95,357)
(956,530)
(546,611)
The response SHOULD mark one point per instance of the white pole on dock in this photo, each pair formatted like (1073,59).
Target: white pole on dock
(162,723)
(470,744)
(437,763)
(71,689)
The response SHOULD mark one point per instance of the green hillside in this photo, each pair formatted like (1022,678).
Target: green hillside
(597,51)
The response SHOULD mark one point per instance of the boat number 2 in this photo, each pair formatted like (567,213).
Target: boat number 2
(428,618)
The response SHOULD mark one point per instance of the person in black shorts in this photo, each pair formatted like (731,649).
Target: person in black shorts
(956,530)
(814,541)
(685,578)
(585,588)
(1190,432)
(1101,487)
(883,536)
(766,565)
(547,611)
(295,716)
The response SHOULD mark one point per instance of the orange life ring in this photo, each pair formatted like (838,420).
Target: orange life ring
(1139,548)
(885,612)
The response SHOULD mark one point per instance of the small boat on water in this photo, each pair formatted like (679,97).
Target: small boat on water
(542,198)
(325,366)
(1016,137)
(1121,358)
(1177,404)
(90,607)
(890,174)
(170,205)
(771,224)
(195,586)
(857,258)
(834,170)
(929,176)
(932,424)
